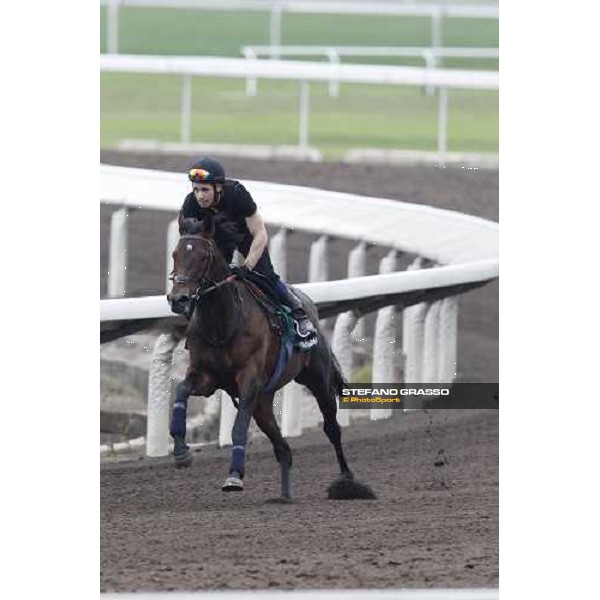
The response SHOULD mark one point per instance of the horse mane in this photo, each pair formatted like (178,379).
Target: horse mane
(226,233)
(227,229)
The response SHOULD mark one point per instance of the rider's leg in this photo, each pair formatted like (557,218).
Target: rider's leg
(305,328)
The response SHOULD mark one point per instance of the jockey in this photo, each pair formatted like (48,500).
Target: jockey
(212,192)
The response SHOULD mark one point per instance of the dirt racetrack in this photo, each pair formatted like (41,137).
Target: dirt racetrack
(169,529)
(163,528)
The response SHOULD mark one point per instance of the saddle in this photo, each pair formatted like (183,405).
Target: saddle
(278,315)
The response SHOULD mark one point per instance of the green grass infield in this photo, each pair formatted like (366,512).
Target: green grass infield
(148,106)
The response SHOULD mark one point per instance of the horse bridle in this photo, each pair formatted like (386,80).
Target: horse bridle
(201,282)
(202,279)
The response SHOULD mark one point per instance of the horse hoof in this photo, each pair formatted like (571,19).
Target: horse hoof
(233,484)
(280,500)
(183,460)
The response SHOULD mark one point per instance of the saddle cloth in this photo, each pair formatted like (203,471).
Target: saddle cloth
(278,315)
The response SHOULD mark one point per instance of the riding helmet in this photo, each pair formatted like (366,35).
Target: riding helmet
(206,169)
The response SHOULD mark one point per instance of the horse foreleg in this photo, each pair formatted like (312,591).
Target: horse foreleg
(239,437)
(182,453)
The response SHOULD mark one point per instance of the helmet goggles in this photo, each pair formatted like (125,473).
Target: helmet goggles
(200,175)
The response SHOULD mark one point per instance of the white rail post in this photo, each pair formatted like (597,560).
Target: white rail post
(186,109)
(414,327)
(112,27)
(384,341)
(318,265)
(292,394)
(318,262)
(318,270)
(278,252)
(448,339)
(429,65)
(342,349)
(117,279)
(291,409)
(334,84)
(226,419)
(431,345)
(304,113)
(159,394)
(251,82)
(442,124)
(172,241)
(275,28)
(357,267)
(413,330)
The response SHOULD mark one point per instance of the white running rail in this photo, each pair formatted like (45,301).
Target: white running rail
(334,54)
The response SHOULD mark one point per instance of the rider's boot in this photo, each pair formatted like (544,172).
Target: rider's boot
(304,327)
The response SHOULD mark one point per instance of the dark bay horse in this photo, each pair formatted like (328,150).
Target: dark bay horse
(233,347)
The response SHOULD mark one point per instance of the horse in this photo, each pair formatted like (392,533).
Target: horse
(233,347)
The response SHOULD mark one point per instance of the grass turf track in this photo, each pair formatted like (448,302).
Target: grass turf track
(187,31)
(148,106)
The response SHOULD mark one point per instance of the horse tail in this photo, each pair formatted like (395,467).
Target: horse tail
(337,380)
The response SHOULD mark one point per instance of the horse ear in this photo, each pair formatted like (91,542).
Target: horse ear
(208,226)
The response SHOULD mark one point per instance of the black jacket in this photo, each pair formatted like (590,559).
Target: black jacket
(236,204)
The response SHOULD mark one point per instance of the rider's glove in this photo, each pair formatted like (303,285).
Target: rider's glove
(241,272)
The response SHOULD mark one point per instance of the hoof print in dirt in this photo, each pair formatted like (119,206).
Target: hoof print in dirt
(441,459)
(279,500)
(349,489)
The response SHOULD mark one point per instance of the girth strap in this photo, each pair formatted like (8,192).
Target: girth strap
(285,352)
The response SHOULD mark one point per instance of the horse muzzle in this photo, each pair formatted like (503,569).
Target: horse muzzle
(180,305)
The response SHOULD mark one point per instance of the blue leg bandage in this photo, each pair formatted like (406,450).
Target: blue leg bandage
(179,411)
(238,459)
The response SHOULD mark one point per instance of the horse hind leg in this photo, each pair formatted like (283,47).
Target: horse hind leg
(239,436)
(328,407)
(265,419)
(345,487)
